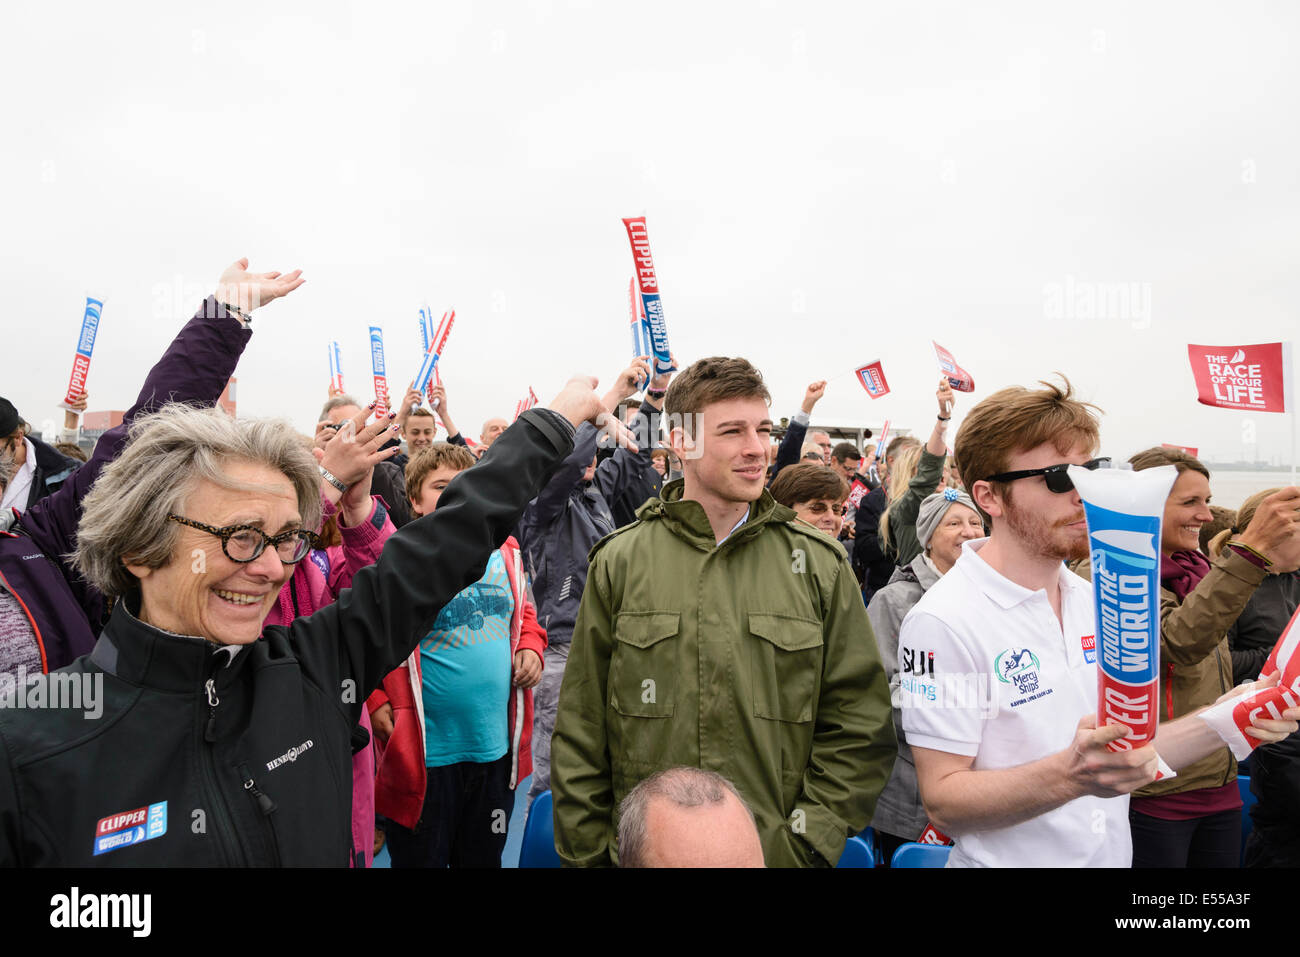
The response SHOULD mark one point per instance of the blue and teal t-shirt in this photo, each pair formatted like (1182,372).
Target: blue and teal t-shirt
(465,672)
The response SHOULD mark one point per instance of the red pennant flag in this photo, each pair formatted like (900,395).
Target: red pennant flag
(872,377)
(1253,378)
(958,378)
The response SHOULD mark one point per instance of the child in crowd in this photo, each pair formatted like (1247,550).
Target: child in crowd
(452,759)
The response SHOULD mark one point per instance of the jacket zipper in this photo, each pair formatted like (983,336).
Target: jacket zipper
(265,805)
(221,811)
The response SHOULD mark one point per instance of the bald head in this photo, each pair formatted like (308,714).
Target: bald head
(491,429)
(686,817)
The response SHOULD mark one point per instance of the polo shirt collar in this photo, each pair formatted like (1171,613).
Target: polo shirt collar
(994,584)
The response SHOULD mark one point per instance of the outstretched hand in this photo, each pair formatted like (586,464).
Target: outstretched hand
(579,403)
(248,290)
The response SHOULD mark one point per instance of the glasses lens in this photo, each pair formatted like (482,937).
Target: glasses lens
(294,549)
(244,546)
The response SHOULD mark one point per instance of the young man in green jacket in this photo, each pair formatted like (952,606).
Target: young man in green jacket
(720,632)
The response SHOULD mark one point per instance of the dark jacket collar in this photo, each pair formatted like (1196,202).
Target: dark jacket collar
(144,655)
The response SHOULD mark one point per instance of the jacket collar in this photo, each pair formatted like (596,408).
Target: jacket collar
(685,518)
(144,655)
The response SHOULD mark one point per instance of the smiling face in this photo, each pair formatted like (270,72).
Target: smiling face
(1048,524)
(1186,510)
(420,430)
(959,524)
(201,592)
(726,461)
(826,514)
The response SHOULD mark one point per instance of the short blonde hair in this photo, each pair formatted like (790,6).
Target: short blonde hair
(166,456)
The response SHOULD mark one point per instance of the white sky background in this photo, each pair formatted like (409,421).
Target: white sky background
(825,185)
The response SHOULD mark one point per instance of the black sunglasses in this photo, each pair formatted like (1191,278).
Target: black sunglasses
(1056,477)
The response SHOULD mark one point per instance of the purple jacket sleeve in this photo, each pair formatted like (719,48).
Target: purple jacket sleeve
(194,369)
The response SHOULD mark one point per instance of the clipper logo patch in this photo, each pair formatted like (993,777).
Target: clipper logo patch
(130,827)
(1089,648)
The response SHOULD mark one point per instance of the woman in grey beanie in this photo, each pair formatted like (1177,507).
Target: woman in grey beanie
(945,521)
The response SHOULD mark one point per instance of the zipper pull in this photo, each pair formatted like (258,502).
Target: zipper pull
(264,803)
(210,730)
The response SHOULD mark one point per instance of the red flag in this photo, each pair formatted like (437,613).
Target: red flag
(958,378)
(1253,378)
(857,492)
(1189,449)
(872,377)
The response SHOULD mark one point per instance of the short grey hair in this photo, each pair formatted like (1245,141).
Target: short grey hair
(684,787)
(166,456)
(338,402)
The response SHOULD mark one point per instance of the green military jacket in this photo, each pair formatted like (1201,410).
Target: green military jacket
(753,658)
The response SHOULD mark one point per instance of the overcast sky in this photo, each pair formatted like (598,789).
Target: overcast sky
(824,184)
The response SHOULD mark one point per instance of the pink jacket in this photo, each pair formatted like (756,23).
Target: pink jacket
(315,583)
(399,791)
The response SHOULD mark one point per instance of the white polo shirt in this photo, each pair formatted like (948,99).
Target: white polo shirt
(987,671)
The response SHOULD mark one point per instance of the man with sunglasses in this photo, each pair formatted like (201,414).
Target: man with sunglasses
(1001,712)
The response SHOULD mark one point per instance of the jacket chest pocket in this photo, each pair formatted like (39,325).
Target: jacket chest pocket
(786,665)
(643,667)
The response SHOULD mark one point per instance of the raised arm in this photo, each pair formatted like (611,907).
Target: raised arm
(194,369)
(375,624)
(787,453)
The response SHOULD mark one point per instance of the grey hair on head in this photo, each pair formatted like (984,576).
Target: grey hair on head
(684,787)
(167,454)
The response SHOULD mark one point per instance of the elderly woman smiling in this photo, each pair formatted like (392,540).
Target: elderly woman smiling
(221,743)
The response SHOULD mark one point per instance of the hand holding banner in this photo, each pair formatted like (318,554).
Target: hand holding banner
(85,348)
(958,378)
(649,288)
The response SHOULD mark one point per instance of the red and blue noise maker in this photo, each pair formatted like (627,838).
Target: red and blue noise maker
(1124,509)
(1231,718)
(378,371)
(437,342)
(426,334)
(85,348)
(641,345)
(336,369)
(884,437)
(872,377)
(648,285)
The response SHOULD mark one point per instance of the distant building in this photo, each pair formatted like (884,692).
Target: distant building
(95,424)
(227,400)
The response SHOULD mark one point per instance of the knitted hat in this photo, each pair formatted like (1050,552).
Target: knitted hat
(933,510)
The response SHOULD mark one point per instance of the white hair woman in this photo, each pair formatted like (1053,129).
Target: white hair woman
(218,743)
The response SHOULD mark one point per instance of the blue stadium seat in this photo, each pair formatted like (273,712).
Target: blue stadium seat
(538,849)
(1248,801)
(859,851)
(921,855)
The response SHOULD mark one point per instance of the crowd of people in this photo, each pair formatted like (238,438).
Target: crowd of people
(711,648)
